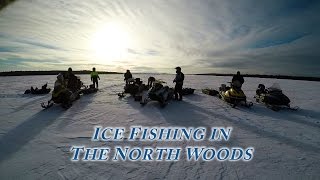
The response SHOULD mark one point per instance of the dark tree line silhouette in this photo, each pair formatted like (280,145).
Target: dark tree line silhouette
(28,73)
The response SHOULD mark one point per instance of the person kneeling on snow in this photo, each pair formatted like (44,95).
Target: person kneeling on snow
(60,93)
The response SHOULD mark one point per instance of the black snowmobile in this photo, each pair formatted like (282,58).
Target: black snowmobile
(233,95)
(159,93)
(273,97)
(134,87)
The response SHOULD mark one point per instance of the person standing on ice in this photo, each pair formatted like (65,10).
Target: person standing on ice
(94,78)
(127,76)
(237,80)
(179,83)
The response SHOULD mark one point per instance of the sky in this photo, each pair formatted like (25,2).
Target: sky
(202,36)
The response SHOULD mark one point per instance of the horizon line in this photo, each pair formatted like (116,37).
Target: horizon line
(50,72)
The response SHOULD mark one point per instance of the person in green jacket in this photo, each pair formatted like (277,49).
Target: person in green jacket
(95,77)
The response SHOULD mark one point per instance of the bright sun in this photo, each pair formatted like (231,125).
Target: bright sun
(110,43)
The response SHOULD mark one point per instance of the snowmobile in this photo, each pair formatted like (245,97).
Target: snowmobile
(70,96)
(159,93)
(233,95)
(61,100)
(273,97)
(133,87)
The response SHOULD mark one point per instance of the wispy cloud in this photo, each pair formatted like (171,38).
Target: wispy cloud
(276,36)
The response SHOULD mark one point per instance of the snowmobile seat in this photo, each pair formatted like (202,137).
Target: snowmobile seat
(236,85)
(64,98)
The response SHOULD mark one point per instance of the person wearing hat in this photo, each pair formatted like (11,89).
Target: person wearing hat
(179,83)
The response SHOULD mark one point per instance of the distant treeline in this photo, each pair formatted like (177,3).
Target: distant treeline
(32,73)
(4,3)
(269,76)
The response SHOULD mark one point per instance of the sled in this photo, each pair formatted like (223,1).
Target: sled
(210,92)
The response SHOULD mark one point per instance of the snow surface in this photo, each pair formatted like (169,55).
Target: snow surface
(35,143)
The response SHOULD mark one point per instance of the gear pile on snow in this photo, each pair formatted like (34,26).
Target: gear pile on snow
(210,92)
(187,91)
(43,90)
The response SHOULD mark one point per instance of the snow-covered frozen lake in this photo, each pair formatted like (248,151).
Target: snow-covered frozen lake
(35,143)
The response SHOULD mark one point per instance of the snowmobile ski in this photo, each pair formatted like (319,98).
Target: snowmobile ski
(47,106)
(121,95)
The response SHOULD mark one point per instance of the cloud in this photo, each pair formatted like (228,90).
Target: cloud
(276,36)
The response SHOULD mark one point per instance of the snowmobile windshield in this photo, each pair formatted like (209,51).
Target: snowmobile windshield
(275,86)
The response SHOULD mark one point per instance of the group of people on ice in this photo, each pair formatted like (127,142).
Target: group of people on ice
(154,90)
(68,87)
(272,97)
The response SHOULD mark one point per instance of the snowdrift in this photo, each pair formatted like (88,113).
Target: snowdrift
(35,143)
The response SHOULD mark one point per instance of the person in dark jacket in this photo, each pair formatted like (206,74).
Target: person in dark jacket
(127,76)
(179,83)
(71,80)
(237,80)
